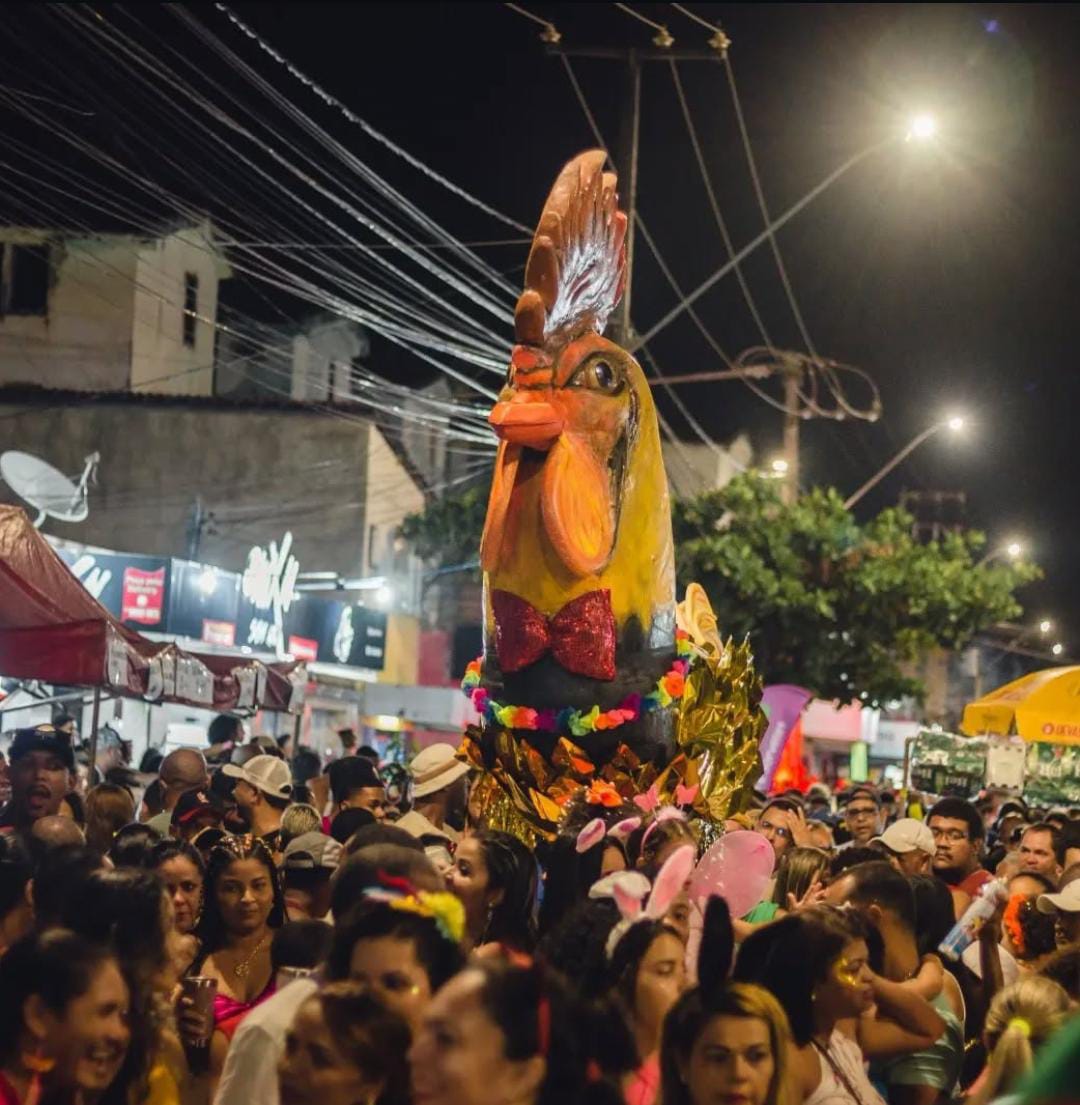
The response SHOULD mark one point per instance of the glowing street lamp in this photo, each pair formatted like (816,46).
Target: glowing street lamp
(1013,550)
(954,423)
(921,128)
(779,467)
(1045,626)
(1058,649)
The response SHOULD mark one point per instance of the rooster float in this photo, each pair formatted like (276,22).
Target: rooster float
(592,686)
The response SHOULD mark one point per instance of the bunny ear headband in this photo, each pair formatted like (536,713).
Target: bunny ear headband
(649,802)
(667,887)
(596,830)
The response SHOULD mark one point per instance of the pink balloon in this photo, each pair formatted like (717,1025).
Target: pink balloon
(736,868)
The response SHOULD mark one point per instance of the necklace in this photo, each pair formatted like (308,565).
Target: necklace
(243,968)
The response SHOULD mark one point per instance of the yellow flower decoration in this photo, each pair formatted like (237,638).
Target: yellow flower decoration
(441,907)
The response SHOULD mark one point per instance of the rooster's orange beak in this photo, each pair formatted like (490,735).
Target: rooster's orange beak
(536,425)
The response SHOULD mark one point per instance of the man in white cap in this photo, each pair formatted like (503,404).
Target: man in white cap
(910,845)
(440,795)
(1065,904)
(263,788)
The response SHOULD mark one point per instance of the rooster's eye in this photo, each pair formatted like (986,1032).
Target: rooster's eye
(598,375)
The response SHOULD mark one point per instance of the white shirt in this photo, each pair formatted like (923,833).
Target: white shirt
(250,1073)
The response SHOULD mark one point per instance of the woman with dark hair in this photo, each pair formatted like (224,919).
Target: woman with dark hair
(572,863)
(402,948)
(504,1031)
(646,974)
(816,962)
(109,807)
(726,1044)
(345,1048)
(63,1021)
(575,947)
(180,867)
(495,877)
(243,903)
(131,845)
(128,912)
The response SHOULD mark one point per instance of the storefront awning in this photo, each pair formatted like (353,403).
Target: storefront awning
(52,629)
(1041,706)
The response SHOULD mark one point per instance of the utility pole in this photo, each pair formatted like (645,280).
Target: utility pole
(625,156)
(626,165)
(198,522)
(794,366)
(792,378)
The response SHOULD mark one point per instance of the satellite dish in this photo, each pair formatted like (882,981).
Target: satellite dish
(46,489)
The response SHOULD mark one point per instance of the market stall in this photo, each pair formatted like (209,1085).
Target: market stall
(53,630)
(1023,737)
(1041,706)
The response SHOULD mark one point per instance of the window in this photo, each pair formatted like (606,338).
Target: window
(24,279)
(191,307)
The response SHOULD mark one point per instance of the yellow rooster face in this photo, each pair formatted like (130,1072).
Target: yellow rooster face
(574,416)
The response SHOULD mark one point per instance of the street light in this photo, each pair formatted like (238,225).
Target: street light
(779,467)
(921,129)
(1058,649)
(1045,626)
(955,423)
(1013,550)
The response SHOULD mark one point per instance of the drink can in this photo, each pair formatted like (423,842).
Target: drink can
(202,991)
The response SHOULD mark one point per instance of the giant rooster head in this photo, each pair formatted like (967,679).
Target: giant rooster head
(579,496)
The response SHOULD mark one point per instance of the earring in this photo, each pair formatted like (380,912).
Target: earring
(36,1062)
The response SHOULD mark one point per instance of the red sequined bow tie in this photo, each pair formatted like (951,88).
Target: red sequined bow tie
(581,636)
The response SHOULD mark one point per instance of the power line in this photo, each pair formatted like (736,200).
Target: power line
(352,117)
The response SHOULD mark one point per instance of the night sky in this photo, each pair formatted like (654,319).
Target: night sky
(948,273)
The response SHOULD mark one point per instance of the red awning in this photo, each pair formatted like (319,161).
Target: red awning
(53,629)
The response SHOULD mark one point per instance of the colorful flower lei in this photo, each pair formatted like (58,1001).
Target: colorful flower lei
(577,723)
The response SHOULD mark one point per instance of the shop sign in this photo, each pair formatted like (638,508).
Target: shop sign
(335,632)
(143,596)
(218,633)
(269,585)
(203,603)
(1052,774)
(134,589)
(304,648)
(946,764)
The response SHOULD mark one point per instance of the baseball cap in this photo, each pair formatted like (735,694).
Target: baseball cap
(42,738)
(194,805)
(311,851)
(265,773)
(436,767)
(1068,900)
(908,835)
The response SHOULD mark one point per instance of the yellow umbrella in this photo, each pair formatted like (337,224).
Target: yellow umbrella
(1042,706)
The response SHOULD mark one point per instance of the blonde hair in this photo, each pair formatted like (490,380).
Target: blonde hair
(1020,1019)
(696,1009)
(299,818)
(798,869)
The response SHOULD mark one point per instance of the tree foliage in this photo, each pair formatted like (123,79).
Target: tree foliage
(446,533)
(832,605)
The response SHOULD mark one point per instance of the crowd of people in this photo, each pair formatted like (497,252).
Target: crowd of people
(231,926)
